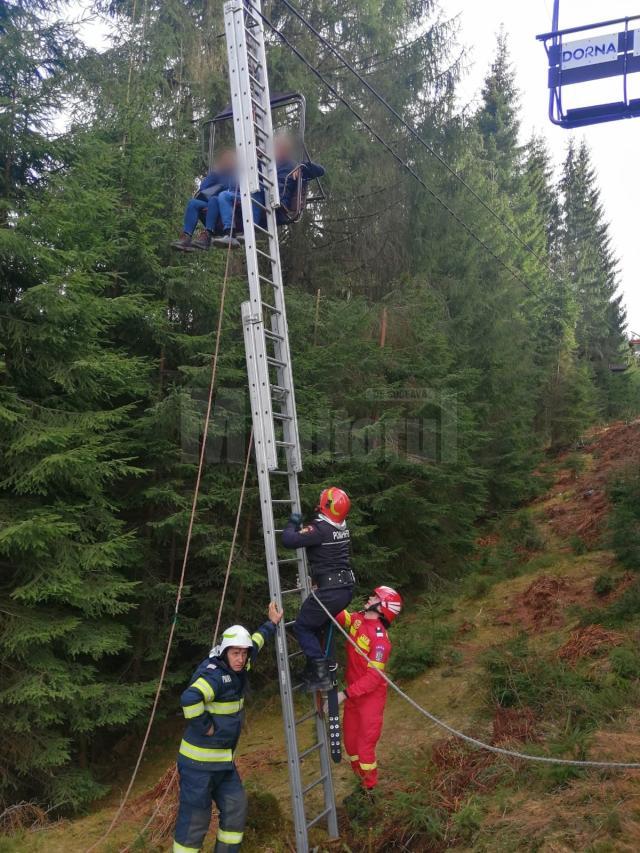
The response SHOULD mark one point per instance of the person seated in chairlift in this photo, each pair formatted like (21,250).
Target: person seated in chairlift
(290,172)
(205,203)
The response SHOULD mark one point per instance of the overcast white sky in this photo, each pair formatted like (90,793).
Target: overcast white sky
(615,146)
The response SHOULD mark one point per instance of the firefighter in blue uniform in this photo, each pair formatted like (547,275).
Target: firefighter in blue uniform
(212,705)
(327,543)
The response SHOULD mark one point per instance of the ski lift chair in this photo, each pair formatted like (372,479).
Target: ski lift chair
(288,110)
(577,55)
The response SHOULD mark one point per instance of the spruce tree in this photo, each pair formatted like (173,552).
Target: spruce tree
(591,268)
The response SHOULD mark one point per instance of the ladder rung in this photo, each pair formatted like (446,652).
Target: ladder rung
(309,749)
(268,257)
(290,623)
(267,180)
(250,35)
(258,204)
(297,686)
(312,785)
(248,14)
(306,717)
(284,443)
(278,389)
(273,336)
(288,560)
(318,817)
(280,416)
(260,228)
(278,529)
(276,362)
(258,106)
(256,82)
(266,280)
(296,655)
(281,500)
(290,592)
(271,308)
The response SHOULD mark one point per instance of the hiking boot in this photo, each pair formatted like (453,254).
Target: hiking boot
(226,241)
(202,241)
(316,676)
(183,244)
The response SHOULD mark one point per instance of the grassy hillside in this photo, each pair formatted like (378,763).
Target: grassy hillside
(535,648)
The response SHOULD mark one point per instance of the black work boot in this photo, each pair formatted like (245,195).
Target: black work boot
(183,244)
(317,675)
(202,241)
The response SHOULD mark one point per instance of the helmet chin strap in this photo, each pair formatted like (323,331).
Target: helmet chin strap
(373,607)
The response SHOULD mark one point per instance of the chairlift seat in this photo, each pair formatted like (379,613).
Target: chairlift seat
(583,54)
(295,103)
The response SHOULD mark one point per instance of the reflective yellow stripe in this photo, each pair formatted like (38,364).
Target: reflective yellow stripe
(347,618)
(180,848)
(224,707)
(363,642)
(191,711)
(258,639)
(205,688)
(228,837)
(200,754)
(376,664)
(368,766)
(353,631)
(353,758)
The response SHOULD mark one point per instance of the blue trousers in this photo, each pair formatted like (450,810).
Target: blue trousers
(199,789)
(312,620)
(192,213)
(227,199)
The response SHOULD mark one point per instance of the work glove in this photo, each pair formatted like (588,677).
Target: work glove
(296,518)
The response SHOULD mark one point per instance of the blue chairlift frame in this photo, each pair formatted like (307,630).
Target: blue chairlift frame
(626,63)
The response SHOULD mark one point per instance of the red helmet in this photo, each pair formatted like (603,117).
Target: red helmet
(390,602)
(334,504)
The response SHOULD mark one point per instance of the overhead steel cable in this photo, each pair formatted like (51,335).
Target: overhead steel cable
(414,132)
(472,741)
(514,273)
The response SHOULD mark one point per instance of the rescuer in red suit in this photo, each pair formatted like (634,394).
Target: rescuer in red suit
(366,692)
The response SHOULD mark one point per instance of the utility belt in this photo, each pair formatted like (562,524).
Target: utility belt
(331,580)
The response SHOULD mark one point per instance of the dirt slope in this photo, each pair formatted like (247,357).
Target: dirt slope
(436,795)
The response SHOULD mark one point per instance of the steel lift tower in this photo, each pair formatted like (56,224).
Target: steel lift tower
(273,406)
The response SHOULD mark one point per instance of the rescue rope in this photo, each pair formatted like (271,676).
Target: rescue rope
(478,744)
(183,572)
(232,550)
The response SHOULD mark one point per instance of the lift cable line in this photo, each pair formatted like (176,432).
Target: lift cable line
(514,273)
(472,741)
(415,133)
(185,560)
(363,121)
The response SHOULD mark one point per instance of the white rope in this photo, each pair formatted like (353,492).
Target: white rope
(478,744)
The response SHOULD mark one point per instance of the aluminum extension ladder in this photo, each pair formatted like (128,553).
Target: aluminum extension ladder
(275,428)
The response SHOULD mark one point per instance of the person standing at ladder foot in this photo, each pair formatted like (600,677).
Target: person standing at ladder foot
(327,543)
(366,692)
(212,705)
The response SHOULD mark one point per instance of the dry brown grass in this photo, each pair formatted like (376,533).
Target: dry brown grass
(588,641)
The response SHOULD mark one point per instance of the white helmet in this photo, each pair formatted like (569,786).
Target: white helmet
(237,636)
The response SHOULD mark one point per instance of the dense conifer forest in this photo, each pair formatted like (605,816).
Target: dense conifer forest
(431,381)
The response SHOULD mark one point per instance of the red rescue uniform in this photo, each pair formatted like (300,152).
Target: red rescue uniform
(366,693)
